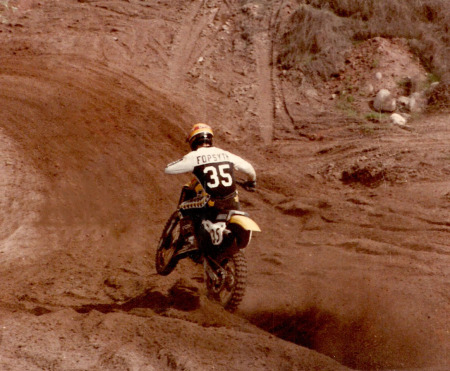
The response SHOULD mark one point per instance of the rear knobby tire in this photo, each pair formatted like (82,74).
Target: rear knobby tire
(165,260)
(230,292)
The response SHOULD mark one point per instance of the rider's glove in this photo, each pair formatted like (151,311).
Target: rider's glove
(250,185)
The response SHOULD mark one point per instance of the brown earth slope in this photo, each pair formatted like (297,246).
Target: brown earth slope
(351,269)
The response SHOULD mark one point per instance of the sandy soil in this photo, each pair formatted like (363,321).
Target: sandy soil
(352,267)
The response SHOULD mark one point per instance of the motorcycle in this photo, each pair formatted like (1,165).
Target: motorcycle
(221,240)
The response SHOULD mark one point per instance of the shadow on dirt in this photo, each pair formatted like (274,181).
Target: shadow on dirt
(181,297)
(357,342)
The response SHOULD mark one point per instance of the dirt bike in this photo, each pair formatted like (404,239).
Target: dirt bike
(221,240)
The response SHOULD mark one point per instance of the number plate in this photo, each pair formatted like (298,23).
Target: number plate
(215,230)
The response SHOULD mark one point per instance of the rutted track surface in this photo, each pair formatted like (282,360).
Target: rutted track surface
(96,97)
(17,228)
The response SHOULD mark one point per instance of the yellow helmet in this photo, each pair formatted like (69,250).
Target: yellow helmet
(200,134)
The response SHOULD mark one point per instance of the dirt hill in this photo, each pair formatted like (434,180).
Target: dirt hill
(351,269)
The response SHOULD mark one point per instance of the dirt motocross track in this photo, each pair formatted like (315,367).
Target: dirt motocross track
(351,269)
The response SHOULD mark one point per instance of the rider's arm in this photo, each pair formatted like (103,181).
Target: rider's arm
(183,165)
(241,165)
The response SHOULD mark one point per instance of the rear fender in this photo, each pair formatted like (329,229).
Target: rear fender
(245,222)
(243,227)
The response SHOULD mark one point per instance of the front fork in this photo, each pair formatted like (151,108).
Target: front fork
(210,271)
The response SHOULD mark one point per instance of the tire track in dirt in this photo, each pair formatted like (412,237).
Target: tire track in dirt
(271,102)
(187,45)
(265,89)
(280,109)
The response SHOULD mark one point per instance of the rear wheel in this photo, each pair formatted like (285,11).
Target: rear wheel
(229,288)
(165,254)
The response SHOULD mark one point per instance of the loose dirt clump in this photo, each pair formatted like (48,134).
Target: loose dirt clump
(364,176)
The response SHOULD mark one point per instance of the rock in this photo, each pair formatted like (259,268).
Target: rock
(398,119)
(311,93)
(434,85)
(368,89)
(384,101)
(417,102)
(403,104)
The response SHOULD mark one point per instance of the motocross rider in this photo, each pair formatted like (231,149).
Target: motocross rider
(214,186)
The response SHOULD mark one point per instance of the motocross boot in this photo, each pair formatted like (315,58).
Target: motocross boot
(188,236)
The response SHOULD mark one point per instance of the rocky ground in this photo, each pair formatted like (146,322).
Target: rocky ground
(351,268)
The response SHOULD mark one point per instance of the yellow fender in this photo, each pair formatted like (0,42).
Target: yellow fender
(245,222)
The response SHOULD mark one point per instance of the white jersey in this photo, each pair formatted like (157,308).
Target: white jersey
(214,169)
